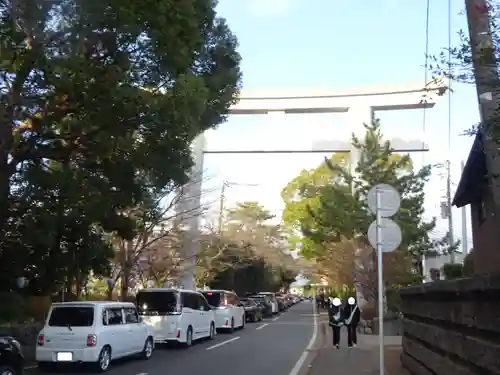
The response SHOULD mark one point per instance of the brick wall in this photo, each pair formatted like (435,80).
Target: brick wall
(452,327)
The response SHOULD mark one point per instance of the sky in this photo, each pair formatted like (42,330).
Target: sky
(328,44)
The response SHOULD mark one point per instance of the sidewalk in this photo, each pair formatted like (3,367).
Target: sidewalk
(362,360)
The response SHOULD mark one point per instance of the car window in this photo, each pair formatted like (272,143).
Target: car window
(236,300)
(115,316)
(190,300)
(71,316)
(131,315)
(202,303)
(156,302)
(230,299)
(213,298)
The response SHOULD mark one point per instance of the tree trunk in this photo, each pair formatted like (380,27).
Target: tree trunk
(125,283)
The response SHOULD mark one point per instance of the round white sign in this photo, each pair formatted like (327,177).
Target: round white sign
(389,200)
(390,235)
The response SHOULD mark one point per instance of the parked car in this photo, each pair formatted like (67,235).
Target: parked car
(176,315)
(265,302)
(229,311)
(11,356)
(254,312)
(281,304)
(272,299)
(92,332)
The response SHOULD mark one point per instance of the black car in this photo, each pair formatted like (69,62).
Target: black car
(267,308)
(254,311)
(11,356)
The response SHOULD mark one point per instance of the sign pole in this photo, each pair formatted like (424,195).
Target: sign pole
(380,281)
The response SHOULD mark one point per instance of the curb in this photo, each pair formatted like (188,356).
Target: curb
(314,352)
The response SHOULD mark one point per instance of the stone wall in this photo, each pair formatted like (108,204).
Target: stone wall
(452,327)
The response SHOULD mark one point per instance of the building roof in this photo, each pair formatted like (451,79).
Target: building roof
(471,183)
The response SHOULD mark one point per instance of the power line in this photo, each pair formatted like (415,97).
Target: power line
(426,69)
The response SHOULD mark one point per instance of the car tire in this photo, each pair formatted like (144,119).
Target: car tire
(104,360)
(148,349)
(189,337)
(213,331)
(46,366)
(7,370)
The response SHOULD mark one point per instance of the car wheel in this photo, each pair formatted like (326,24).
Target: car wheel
(231,329)
(45,367)
(189,337)
(212,331)
(147,352)
(7,370)
(104,360)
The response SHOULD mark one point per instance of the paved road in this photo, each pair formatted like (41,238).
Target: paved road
(270,347)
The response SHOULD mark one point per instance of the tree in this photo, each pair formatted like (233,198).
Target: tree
(99,105)
(249,254)
(325,208)
(154,253)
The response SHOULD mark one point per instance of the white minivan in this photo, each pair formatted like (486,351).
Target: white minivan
(176,315)
(229,311)
(92,332)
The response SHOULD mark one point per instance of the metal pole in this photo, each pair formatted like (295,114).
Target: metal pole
(380,284)
(451,239)
(221,208)
(465,241)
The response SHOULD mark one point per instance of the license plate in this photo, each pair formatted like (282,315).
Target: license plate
(65,357)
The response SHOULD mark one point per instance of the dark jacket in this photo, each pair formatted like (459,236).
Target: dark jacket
(351,314)
(335,316)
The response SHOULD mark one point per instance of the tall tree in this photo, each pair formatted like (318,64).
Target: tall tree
(112,94)
(323,213)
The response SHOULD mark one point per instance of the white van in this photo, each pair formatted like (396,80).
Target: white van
(176,315)
(92,332)
(229,311)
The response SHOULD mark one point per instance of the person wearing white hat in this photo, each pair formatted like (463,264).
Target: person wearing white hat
(352,317)
(335,319)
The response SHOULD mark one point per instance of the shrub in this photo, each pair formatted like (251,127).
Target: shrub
(453,271)
(468,269)
(13,308)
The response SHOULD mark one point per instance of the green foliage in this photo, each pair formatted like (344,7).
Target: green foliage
(328,203)
(453,271)
(249,253)
(100,103)
(468,269)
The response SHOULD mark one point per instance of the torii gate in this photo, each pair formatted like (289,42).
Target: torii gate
(360,105)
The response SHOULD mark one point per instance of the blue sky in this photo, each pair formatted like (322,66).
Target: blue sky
(334,44)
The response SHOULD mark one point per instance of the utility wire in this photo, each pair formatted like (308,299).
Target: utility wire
(449,80)
(426,73)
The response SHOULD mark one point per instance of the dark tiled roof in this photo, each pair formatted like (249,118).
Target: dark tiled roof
(473,177)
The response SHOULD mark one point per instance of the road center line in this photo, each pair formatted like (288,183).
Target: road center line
(222,343)
(262,326)
(300,362)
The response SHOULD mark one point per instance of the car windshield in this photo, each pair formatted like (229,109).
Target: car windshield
(213,298)
(72,316)
(156,302)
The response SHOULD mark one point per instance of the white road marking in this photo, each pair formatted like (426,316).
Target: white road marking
(223,343)
(142,373)
(30,367)
(298,366)
(262,326)
(275,319)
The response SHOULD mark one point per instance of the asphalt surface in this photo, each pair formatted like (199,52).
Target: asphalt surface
(270,347)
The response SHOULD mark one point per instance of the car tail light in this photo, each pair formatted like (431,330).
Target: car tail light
(91,340)
(41,340)
(226,323)
(178,333)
